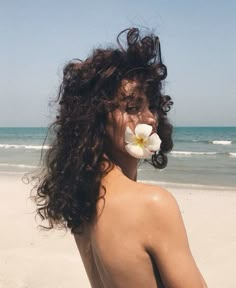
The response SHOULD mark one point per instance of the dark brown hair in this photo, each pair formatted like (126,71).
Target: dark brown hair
(68,187)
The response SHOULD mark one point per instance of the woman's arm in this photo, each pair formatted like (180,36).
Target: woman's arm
(166,241)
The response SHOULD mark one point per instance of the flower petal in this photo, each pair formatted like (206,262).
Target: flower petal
(153,142)
(137,151)
(143,130)
(129,136)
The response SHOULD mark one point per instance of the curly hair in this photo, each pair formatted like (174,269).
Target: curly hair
(69,184)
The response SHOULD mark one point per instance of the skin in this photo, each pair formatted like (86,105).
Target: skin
(138,238)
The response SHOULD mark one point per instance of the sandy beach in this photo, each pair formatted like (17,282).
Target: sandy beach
(32,258)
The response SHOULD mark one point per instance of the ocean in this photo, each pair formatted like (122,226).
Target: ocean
(201,156)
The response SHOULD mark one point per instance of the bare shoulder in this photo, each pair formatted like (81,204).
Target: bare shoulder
(164,235)
(149,203)
(157,207)
(160,210)
(157,200)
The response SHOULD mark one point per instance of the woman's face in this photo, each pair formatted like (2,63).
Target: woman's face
(134,108)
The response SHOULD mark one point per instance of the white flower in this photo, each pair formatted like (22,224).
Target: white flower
(141,144)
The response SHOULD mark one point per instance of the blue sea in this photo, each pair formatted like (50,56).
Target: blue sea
(201,156)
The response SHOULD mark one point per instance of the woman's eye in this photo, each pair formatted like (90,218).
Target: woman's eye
(132,109)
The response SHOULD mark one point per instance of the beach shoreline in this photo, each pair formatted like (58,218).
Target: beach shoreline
(30,257)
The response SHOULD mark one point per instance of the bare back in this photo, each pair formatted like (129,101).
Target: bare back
(138,239)
(112,249)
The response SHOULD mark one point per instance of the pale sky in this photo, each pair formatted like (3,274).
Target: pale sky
(198,38)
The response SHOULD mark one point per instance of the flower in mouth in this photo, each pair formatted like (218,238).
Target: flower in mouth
(141,144)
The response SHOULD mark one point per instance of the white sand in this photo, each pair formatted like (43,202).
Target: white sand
(30,258)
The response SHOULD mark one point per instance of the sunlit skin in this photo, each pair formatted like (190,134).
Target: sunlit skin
(138,230)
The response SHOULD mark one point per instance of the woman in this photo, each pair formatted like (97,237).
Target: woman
(112,113)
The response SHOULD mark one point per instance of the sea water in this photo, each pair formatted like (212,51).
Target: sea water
(201,155)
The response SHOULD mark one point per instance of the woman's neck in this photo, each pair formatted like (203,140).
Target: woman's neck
(127,166)
(128,171)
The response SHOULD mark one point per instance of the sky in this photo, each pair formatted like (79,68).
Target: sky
(198,39)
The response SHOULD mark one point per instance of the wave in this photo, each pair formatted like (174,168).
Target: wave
(32,147)
(217,142)
(17,165)
(222,142)
(189,153)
